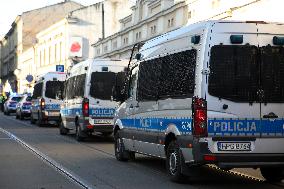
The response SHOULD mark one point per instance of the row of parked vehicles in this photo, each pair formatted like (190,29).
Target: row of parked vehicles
(208,93)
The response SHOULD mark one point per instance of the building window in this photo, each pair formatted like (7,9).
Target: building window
(44,57)
(138,36)
(60,52)
(114,45)
(153,29)
(49,55)
(55,53)
(170,22)
(105,48)
(189,16)
(215,4)
(125,40)
(98,51)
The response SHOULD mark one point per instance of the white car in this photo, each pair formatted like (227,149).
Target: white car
(23,108)
(11,104)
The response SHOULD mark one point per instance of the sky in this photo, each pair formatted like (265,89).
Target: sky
(9,9)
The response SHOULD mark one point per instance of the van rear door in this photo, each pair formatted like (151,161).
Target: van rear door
(271,89)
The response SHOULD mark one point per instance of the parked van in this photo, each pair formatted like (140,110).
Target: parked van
(208,93)
(47,98)
(88,106)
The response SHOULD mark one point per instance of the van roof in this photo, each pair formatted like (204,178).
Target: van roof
(191,27)
(101,62)
(50,75)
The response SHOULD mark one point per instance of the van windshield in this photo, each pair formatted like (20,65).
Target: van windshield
(238,73)
(54,89)
(102,84)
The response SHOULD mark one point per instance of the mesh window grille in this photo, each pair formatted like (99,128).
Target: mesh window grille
(37,90)
(167,77)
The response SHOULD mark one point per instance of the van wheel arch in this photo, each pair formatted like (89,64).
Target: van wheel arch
(116,128)
(169,138)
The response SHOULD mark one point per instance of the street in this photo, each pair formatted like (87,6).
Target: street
(38,157)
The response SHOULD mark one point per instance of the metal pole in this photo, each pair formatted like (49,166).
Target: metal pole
(103,21)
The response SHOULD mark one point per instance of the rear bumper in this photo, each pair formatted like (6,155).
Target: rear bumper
(202,155)
(51,115)
(98,128)
(247,160)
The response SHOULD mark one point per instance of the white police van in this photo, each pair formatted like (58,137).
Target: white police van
(88,106)
(47,98)
(208,93)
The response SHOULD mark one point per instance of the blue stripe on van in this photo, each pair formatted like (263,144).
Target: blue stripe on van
(216,127)
(95,112)
(159,124)
(246,127)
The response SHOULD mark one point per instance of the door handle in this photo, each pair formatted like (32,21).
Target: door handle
(270,115)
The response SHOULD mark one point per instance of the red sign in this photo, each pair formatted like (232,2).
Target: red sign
(75,47)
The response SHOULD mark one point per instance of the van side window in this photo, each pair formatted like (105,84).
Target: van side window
(132,83)
(37,90)
(80,85)
(171,76)
(75,86)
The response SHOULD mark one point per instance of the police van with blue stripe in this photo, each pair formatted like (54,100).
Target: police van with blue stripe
(207,93)
(88,106)
(47,98)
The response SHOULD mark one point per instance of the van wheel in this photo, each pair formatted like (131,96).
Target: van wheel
(32,119)
(62,129)
(120,153)
(174,164)
(21,116)
(17,117)
(79,137)
(272,174)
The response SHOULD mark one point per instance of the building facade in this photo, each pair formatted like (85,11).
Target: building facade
(22,36)
(69,40)
(148,19)
(153,18)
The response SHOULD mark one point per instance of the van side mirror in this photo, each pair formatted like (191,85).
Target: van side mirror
(138,56)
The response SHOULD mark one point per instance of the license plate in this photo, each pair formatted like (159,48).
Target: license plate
(234,146)
(103,121)
(53,113)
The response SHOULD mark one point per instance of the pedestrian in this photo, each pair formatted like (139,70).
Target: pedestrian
(1,102)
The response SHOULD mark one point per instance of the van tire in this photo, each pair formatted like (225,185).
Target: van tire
(119,150)
(39,120)
(32,119)
(21,116)
(174,162)
(62,129)
(272,174)
(78,134)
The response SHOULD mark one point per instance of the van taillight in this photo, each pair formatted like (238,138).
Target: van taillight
(199,111)
(42,104)
(85,107)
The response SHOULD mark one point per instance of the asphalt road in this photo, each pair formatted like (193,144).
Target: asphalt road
(38,157)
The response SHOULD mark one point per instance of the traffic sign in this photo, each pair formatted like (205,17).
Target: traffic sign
(29,78)
(60,68)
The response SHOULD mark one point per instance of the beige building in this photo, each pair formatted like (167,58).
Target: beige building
(152,18)
(148,19)
(59,44)
(22,36)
